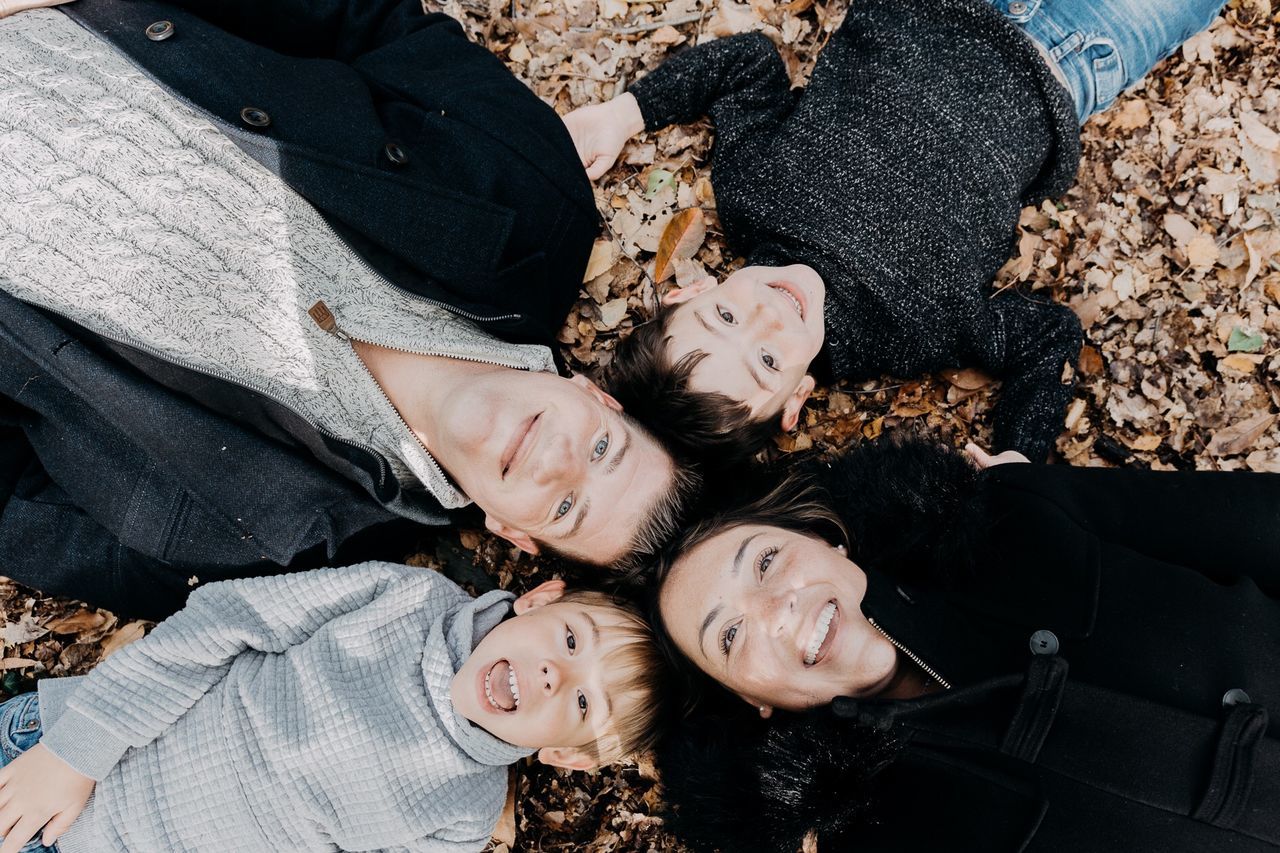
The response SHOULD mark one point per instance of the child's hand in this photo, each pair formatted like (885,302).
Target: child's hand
(600,130)
(39,789)
(981,458)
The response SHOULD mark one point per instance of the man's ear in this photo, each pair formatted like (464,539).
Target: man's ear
(676,295)
(568,757)
(547,592)
(596,391)
(791,408)
(516,537)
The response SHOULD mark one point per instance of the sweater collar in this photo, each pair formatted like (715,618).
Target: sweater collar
(457,634)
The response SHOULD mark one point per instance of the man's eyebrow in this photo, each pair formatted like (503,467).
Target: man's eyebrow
(582,516)
(622,451)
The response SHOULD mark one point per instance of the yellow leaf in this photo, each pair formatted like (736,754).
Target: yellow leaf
(680,239)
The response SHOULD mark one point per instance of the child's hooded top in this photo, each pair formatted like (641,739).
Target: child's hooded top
(898,174)
(297,712)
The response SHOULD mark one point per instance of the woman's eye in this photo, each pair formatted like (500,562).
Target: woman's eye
(725,315)
(570,640)
(565,506)
(768,361)
(582,704)
(601,448)
(765,560)
(726,640)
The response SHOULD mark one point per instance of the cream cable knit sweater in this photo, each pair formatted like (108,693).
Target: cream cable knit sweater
(132,214)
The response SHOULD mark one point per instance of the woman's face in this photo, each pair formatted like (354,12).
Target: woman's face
(775,616)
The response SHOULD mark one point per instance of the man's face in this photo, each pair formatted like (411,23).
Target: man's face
(539,680)
(552,460)
(760,330)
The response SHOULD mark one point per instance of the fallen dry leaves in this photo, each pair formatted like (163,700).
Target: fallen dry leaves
(1168,248)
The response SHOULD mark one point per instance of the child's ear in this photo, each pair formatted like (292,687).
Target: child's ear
(676,295)
(568,757)
(515,536)
(791,408)
(544,593)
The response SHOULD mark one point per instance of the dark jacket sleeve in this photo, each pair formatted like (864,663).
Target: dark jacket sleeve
(329,29)
(739,81)
(911,507)
(1027,346)
(1223,524)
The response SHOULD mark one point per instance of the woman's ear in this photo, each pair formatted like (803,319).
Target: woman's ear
(766,711)
(547,592)
(676,295)
(791,408)
(568,757)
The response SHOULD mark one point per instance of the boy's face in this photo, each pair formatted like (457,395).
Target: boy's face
(760,329)
(539,680)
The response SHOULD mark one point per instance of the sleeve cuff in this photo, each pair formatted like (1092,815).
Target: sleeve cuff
(88,747)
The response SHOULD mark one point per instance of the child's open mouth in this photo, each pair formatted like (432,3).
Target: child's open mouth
(792,292)
(501,687)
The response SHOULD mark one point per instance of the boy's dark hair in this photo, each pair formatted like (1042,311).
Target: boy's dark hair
(707,426)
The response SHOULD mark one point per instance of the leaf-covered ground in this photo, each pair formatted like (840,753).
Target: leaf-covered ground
(1168,248)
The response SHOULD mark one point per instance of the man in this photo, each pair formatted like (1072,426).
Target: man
(183,338)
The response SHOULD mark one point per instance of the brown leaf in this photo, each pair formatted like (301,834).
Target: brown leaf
(1132,115)
(680,239)
(968,379)
(1090,361)
(603,255)
(1238,437)
(17,663)
(80,621)
(124,636)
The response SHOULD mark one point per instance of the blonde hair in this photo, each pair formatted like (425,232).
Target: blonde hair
(636,672)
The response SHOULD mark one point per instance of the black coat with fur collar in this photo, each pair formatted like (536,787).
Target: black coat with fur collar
(1159,591)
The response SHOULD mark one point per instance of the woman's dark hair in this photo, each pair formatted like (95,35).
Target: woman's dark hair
(708,426)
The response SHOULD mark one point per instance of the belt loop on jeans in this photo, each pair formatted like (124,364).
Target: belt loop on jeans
(1041,695)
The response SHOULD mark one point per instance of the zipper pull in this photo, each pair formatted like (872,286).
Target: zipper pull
(325,320)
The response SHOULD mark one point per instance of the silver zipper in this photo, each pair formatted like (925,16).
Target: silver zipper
(910,654)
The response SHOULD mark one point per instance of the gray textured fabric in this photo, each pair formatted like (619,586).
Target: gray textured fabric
(898,174)
(127,211)
(307,711)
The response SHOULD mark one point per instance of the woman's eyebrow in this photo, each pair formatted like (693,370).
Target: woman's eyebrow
(715,611)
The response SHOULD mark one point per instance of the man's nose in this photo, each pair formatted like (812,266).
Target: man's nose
(549,677)
(556,462)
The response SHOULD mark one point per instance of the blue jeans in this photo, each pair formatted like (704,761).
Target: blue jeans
(1103,47)
(19,731)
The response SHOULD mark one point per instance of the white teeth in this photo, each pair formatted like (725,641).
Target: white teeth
(515,688)
(819,633)
(489,693)
(794,301)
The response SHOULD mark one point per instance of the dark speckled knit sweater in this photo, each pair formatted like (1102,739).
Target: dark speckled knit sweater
(898,174)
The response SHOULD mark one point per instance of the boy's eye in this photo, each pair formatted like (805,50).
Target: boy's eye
(565,506)
(726,639)
(570,640)
(768,361)
(601,448)
(725,315)
(582,704)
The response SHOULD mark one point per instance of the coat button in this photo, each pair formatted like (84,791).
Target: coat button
(1235,696)
(160,30)
(255,117)
(1044,643)
(396,154)
(1017,7)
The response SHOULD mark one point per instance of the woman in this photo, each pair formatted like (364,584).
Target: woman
(1023,657)
(876,205)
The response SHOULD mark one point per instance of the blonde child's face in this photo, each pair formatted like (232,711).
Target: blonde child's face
(539,679)
(760,330)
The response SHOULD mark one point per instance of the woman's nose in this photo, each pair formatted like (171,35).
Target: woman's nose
(778,610)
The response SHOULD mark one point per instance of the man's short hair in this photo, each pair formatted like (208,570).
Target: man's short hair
(637,674)
(708,426)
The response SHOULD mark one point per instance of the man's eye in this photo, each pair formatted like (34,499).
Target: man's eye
(726,639)
(765,560)
(582,704)
(565,506)
(725,315)
(768,361)
(601,448)
(570,640)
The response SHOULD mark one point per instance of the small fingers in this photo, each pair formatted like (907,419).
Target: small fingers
(20,835)
(53,830)
(598,166)
(979,456)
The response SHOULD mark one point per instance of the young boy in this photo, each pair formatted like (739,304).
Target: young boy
(875,207)
(371,707)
